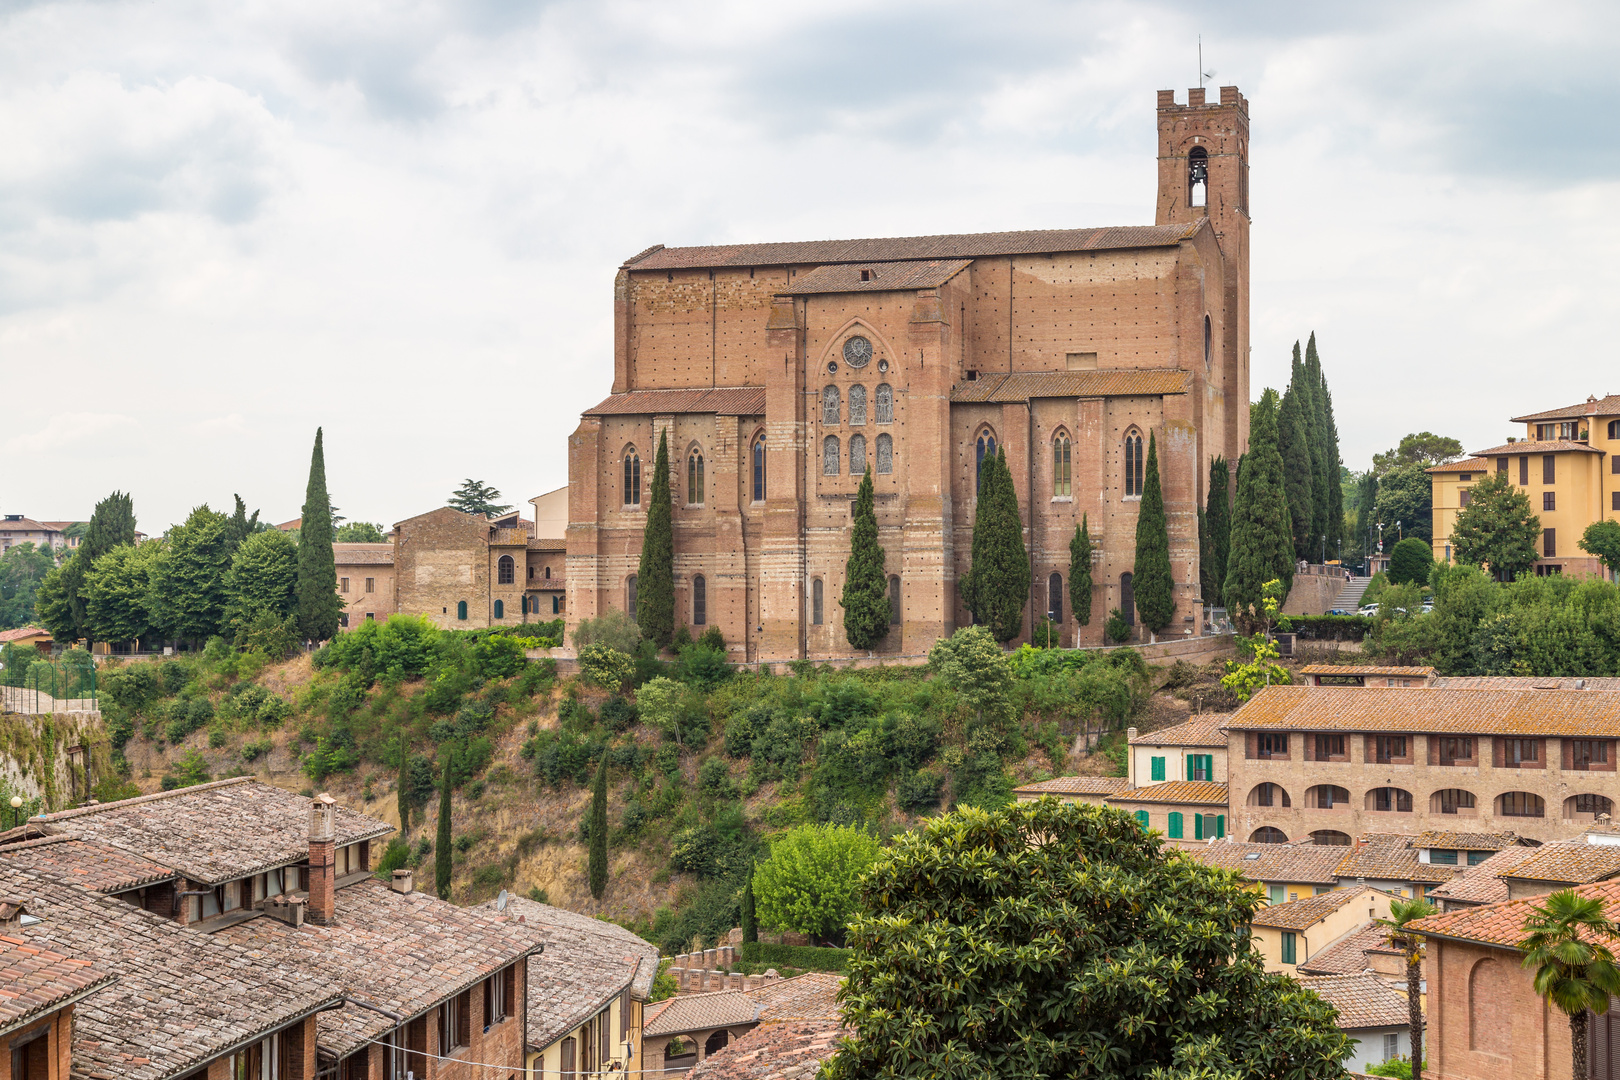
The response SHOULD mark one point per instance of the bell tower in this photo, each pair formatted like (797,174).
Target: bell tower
(1204,173)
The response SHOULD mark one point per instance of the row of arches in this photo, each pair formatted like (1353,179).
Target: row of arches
(696,480)
(832,405)
(831,453)
(1444,801)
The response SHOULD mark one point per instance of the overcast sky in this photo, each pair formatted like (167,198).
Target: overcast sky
(223,224)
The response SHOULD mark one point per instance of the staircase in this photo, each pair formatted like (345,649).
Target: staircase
(1349,598)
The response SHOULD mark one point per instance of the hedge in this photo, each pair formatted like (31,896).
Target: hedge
(804,957)
(1331,627)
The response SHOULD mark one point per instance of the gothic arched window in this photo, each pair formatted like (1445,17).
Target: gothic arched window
(694,477)
(1198,177)
(885,403)
(885,454)
(857,455)
(986,447)
(630,597)
(500,609)
(829,406)
(758,455)
(1061,465)
(1054,597)
(857,404)
(1133,462)
(1209,343)
(829,456)
(700,600)
(505,571)
(632,477)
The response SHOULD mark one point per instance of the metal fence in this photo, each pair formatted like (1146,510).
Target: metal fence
(41,684)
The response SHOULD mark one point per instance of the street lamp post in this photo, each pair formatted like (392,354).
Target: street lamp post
(16,811)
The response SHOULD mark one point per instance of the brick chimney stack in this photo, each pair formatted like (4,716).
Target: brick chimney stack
(322,859)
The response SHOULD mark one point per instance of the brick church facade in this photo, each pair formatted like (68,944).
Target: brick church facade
(780,371)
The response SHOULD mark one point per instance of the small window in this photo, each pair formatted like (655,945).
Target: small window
(1549,468)
(830,404)
(371,616)
(857,455)
(343,584)
(700,601)
(1465,496)
(1392,799)
(1501,466)
(985,447)
(857,404)
(1273,744)
(1201,767)
(1156,768)
(1390,748)
(694,478)
(1054,598)
(1329,746)
(1614,431)
(1133,463)
(815,602)
(343,618)
(505,571)
(885,454)
(630,597)
(1289,949)
(1061,477)
(1142,818)
(1549,500)
(1443,856)
(885,403)
(1455,748)
(1519,752)
(829,456)
(1614,496)
(1392,1045)
(556,605)
(371,584)
(461,610)
(632,478)
(1522,804)
(894,600)
(1549,543)
(1209,343)
(759,469)
(1175,823)
(500,609)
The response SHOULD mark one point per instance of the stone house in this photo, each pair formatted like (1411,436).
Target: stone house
(1195,750)
(1289,934)
(365,574)
(466,571)
(687,1029)
(781,371)
(1372,1014)
(1186,812)
(18,529)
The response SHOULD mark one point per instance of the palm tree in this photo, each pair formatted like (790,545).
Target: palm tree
(1575,970)
(1402,913)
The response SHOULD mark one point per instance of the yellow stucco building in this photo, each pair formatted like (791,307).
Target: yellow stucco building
(1568,463)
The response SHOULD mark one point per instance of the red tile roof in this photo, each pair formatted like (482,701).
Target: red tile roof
(1568,864)
(98,867)
(1568,713)
(1018,385)
(723,401)
(1592,406)
(788,1051)
(879,277)
(1199,792)
(1522,682)
(1206,730)
(1482,883)
(1362,1000)
(1502,924)
(363,554)
(1301,862)
(1367,669)
(36,980)
(1390,857)
(1075,785)
(22,632)
(1307,911)
(895,249)
(1463,466)
(1527,446)
(1348,955)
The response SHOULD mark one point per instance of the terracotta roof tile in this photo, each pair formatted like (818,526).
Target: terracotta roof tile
(1201,792)
(1018,385)
(811,996)
(1305,863)
(35,981)
(1465,841)
(1604,406)
(211,833)
(1206,730)
(1075,785)
(1348,955)
(1390,857)
(1568,864)
(1526,446)
(1363,1000)
(1307,911)
(1521,682)
(722,401)
(25,525)
(1569,713)
(1502,924)
(897,248)
(789,1051)
(22,632)
(879,277)
(98,867)
(1466,465)
(1367,669)
(1482,883)
(363,554)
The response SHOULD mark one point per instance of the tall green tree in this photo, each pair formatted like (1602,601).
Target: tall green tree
(119,591)
(1423,448)
(866,583)
(1497,529)
(477,497)
(655,577)
(442,843)
(1402,914)
(1294,445)
(318,602)
(1048,939)
(65,607)
(1602,539)
(1366,509)
(240,526)
(1405,499)
(403,790)
(188,593)
(22,567)
(1262,548)
(750,923)
(1333,461)
(361,532)
(1218,528)
(1154,585)
(809,882)
(1566,945)
(263,580)
(996,586)
(598,868)
(1080,573)
(1323,458)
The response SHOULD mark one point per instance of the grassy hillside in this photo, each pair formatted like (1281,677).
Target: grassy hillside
(720,760)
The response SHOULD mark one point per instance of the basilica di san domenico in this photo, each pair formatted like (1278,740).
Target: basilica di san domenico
(780,371)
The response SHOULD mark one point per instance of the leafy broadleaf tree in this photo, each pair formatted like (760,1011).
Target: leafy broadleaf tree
(1154,585)
(22,567)
(263,580)
(119,591)
(598,868)
(188,595)
(1575,970)
(1080,573)
(360,532)
(865,598)
(477,497)
(1602,539)
(1423,448)
(319,604)
(1262,548)
(1405,504)
(1497,529)
(63,606)
(1047,939)
(1217,531)
(809,882)
(1410,562)
(996,586)
(655,576)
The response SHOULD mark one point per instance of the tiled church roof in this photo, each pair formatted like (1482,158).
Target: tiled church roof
(1001,386)
(902,248)
(722,400)
(878,277)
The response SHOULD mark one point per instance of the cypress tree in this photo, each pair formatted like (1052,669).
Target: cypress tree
(1330,444)
(240,526)
(655,577)
(1261,546)
(866,583)
(404,790)
(318,602)
(1218,526)
(1296,458)
(1080,573)
(1154,585)
(997,584)
(750,925)
(1205,556)
(442,842)
(1309,383)
(599,827)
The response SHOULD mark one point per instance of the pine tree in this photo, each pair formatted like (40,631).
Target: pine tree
(865,599)
(318,602)
(655,578)
(477,497)
(442,842)
(1154,585)
(1218,526)
(1261,548)
(1292,444)
(598,870)
(1080,573)
(750,924)
(997,584)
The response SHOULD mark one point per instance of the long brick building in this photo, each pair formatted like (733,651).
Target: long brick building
(781,371)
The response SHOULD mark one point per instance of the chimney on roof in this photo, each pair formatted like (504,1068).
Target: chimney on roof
(322,858)
(404,881)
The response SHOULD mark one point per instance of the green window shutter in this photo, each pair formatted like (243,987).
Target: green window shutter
(461,609)
(1288,952)
(1175,826)
(500,609)
(1142,818)
(1198,826)
(1191,765)
(1277,894)
(1158,768)
(1220,826)
(1209,766)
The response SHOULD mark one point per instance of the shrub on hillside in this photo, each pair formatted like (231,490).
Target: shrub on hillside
(604,666)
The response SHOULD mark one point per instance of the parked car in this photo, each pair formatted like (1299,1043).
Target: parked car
(1370,611)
